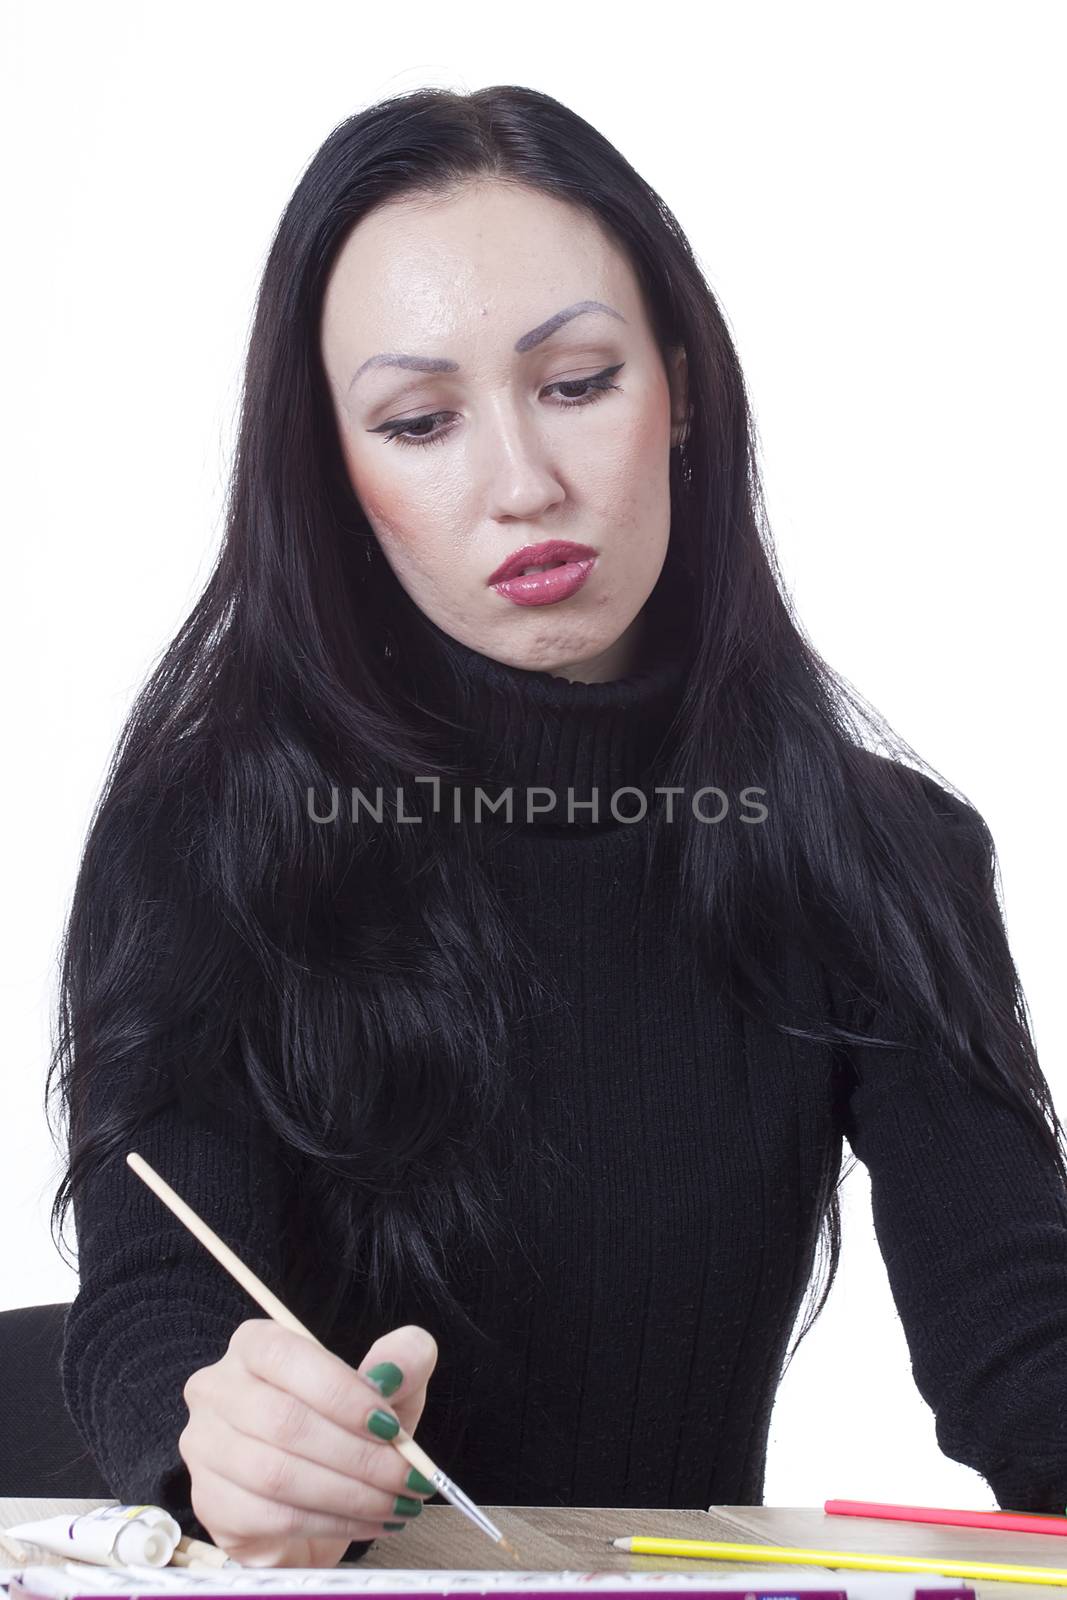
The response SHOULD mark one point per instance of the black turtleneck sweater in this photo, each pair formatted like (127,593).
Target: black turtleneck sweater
(635,1346)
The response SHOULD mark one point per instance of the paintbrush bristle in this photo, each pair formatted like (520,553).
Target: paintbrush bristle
(512,1552)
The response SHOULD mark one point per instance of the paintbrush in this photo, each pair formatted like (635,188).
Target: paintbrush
(404,1443)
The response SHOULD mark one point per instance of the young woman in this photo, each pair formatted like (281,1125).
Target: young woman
(497,962)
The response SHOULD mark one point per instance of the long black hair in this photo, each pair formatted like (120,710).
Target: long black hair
(358,987)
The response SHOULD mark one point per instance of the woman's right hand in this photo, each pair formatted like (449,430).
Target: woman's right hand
(284,1467)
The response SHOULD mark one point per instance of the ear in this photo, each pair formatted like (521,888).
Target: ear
(678,378)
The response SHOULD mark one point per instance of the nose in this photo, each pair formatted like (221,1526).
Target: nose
(522,480)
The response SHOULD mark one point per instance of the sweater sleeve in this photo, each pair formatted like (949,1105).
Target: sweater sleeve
(153,1305)
(970,1214)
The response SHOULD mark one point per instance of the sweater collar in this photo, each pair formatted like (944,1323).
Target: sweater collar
(541,735)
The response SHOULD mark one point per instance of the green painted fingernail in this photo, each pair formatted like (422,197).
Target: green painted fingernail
(395,1527)
(415,1480)
(384,1425)
(386,1377)
(407,1508)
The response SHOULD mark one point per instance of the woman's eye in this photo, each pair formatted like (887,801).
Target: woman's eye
(590,391)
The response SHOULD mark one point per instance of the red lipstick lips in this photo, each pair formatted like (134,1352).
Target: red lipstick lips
(567,566)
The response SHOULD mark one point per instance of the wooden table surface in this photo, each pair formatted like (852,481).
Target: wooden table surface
(561,1538)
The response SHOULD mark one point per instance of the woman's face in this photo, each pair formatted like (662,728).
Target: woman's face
(513,437)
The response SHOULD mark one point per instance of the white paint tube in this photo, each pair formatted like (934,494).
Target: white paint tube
(144,1536)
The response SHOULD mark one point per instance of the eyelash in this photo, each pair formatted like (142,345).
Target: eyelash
(600,385)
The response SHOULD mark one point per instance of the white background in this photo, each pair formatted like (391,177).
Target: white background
(875,194)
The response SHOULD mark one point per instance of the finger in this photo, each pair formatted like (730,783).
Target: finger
(231,1512)
(309,1371)
(401,1363)
(272,1474)
(261,1412)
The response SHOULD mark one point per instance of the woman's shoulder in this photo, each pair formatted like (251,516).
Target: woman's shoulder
(917,798)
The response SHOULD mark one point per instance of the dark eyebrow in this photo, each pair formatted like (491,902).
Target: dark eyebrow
(535,336)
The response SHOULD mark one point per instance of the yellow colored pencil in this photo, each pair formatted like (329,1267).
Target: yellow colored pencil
(947,1566)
